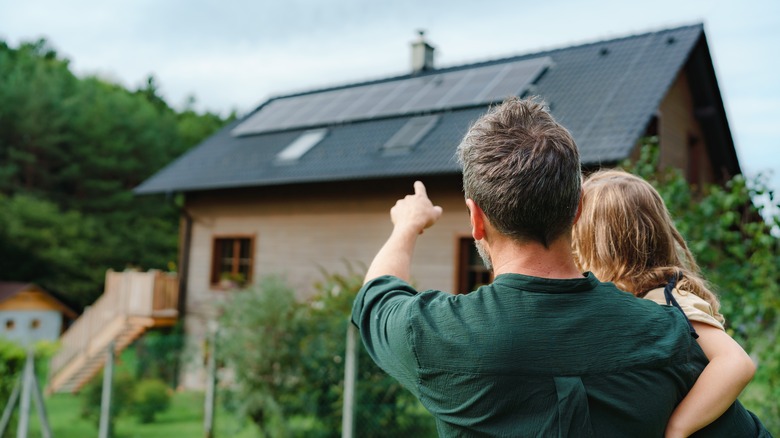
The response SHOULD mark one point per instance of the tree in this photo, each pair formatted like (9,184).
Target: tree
(82,145)
(53,248)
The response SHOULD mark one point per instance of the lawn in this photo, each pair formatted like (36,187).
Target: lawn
(183,419)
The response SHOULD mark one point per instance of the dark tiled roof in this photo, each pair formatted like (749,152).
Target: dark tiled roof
(604,92)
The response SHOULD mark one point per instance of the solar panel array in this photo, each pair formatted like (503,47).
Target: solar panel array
(434,92)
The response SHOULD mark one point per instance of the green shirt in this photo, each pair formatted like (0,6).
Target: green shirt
(527,356)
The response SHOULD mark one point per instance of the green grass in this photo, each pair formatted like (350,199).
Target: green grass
(183,419)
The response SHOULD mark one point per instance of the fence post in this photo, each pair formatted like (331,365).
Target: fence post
(105,400)
(41,408)
(211,384)
(9,408)
(24,408)
(350,377)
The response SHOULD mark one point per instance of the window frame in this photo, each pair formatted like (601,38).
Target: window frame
(215,280)
(464,244)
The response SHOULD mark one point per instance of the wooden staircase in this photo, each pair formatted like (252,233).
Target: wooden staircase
(132,303)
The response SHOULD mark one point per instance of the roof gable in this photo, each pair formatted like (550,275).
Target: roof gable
(10,289)
(605,93)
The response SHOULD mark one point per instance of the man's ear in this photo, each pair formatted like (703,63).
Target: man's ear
(477,218)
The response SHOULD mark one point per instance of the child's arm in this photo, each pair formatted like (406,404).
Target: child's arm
(729,371)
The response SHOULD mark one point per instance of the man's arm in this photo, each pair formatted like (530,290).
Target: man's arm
(410,217)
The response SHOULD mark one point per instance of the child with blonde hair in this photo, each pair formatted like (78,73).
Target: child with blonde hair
(625,235)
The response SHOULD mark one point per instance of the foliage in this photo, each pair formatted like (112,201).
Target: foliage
(12,361)
(122,388)
(288,357)
(150,397)
(36,233)
(71,151)
(159,354)
(731,238)
(12,358)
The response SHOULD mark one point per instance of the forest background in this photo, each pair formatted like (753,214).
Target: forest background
(71,151)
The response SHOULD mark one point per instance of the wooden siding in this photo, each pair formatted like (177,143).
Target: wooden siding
(300,231)
(680,135)
(297,233)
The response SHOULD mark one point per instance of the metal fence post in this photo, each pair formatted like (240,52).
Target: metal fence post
(41,408)
(24,408)
(211,384)
(9,408)
(350,377)
(105,401)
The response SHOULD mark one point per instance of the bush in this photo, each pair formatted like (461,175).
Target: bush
(158,354)
(150,397)
(12,361)
(288,359)
(12,358)
(121,396)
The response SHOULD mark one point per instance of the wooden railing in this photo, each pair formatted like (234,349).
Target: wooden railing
(151,294)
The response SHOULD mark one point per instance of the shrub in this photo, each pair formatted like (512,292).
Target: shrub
(150,397)
(288,358)
(121,396)
(159,354)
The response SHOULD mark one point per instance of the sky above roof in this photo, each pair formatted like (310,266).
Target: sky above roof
(234,55)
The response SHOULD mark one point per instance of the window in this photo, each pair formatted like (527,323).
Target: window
(9,324)
(35,324)
(300,146)
(232,261)
(409,135)
(472,272)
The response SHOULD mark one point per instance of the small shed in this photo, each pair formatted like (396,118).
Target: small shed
(29,314)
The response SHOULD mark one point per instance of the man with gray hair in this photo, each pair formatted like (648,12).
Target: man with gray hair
(544,350)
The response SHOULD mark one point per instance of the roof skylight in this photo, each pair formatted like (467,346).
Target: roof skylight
(410,134)
(295,150)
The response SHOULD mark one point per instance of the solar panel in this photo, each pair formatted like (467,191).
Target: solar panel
(514,82)
(469,91)
(413,95)
(367,100)
(436,90)
(394,105)
(335,105)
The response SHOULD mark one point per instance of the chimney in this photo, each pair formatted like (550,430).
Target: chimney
(422,54)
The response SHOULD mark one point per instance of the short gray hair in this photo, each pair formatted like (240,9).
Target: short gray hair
(522,168)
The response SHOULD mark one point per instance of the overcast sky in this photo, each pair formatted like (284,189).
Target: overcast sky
(234,54)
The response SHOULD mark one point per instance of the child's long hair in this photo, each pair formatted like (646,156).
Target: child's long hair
(625,235)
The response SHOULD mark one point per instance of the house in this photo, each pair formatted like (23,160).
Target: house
(29,314)
(305,181)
